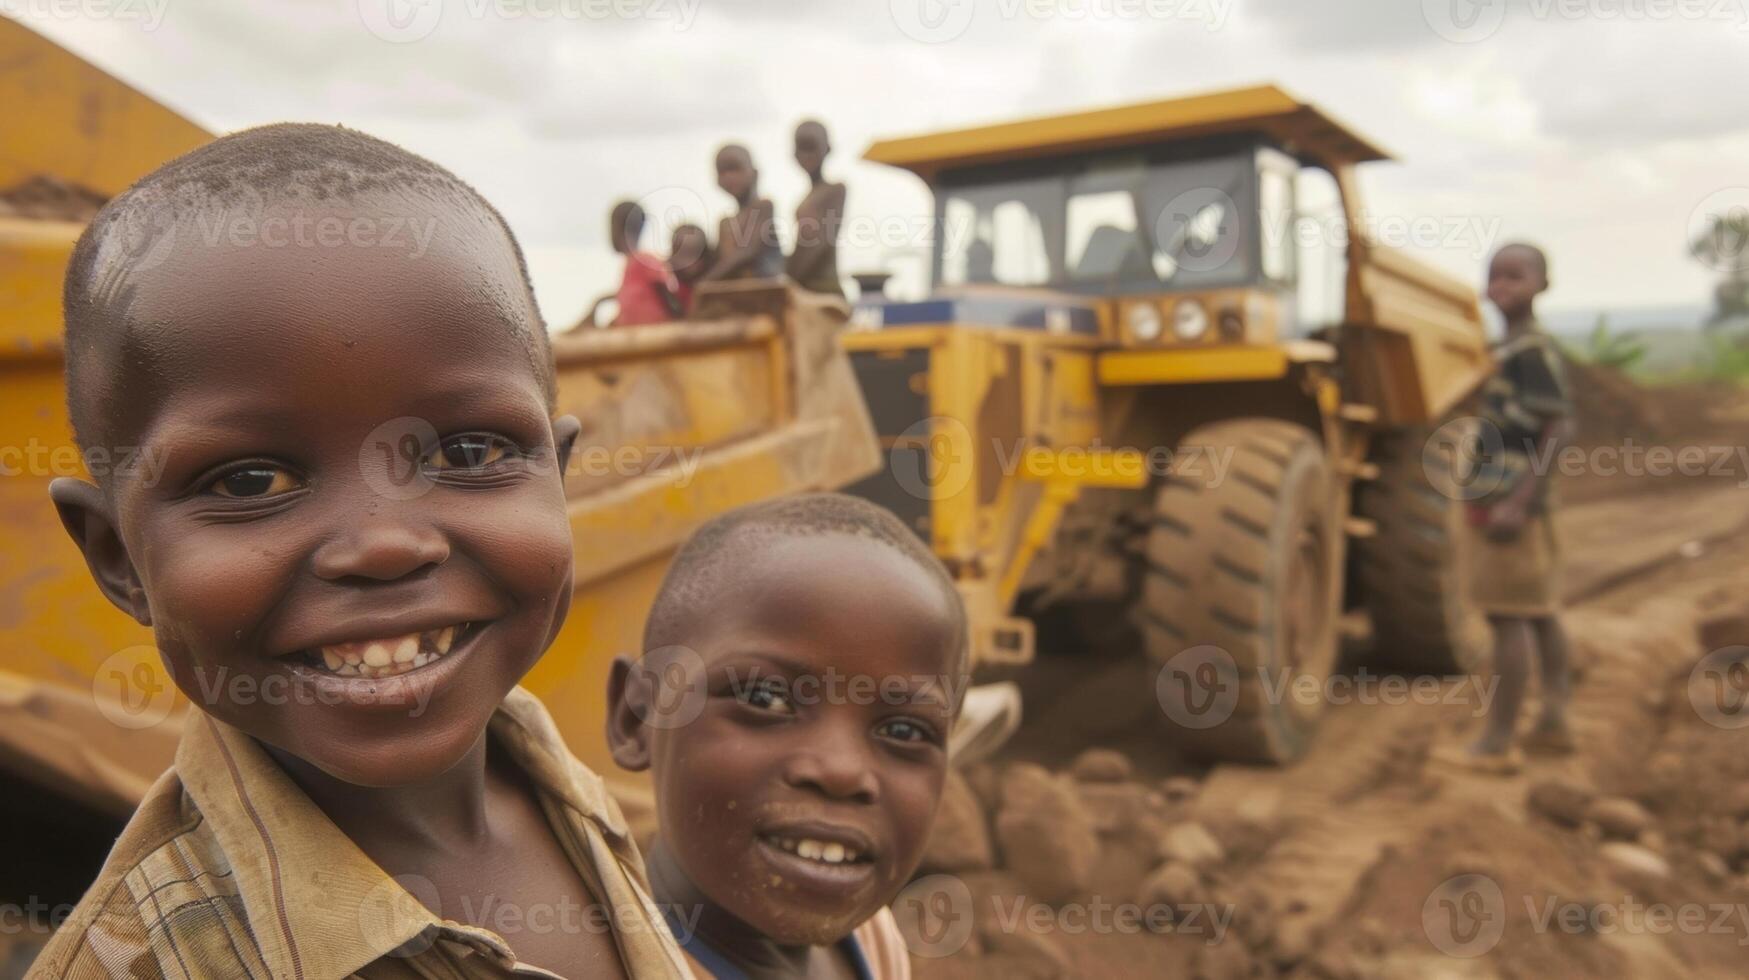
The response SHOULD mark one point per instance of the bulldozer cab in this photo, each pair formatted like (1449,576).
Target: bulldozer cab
(1216,218)
(1118,224)
(1178,222)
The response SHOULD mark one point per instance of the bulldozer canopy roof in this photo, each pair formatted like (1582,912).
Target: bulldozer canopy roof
(1298,128)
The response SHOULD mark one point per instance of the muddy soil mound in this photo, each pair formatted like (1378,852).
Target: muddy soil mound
(1373,857)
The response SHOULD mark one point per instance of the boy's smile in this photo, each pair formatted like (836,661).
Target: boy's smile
(800,799)
(361,515)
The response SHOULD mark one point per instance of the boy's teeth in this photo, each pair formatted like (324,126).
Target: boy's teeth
(828,852)
(388,656)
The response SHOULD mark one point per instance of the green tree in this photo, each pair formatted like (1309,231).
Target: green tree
(1619,351)
(1724,247)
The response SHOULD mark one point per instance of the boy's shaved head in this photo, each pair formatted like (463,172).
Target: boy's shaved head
(710,557)
(1529,251)
(221,190)
(734,153)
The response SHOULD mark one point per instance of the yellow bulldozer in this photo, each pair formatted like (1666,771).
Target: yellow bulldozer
(752,399)
(1164,368)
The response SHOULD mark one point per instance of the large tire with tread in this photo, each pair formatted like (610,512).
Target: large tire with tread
(1414,570)
(1243,574)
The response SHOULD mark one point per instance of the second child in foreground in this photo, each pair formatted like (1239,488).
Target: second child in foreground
(802,672)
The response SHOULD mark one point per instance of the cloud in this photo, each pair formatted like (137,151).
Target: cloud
(1620,84)
(1595,136)
(1359,25)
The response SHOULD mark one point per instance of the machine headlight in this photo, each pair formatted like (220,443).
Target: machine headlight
(1144,322)
(867,317)
(1190,320)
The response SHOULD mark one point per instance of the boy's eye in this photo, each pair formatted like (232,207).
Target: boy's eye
(905,730)
(253,482)
(770,696)
(469,452)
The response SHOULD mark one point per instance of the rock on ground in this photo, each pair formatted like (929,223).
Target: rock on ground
(1562,801)
(1618,817)
(1192,844)
(1101,766)
(1048,839)
(1173,883)
(960,838)
(1634,860)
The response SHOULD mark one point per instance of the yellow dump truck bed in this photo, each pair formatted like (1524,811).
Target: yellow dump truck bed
(751,400)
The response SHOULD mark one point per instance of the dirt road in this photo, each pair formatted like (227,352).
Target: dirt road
(1371,858)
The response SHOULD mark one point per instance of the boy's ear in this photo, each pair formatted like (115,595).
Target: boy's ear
(629,697)
(566,429)
(89,521)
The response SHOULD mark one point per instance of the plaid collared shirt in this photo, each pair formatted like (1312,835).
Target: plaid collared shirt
(227,870)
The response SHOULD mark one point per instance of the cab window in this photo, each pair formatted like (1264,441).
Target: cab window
(1320,240)
(1000,233)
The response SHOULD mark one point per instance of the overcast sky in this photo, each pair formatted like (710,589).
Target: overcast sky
(1602,129)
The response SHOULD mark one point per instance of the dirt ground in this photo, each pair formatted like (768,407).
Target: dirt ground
(1373,857)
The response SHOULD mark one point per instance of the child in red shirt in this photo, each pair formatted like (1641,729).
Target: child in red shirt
(647,290)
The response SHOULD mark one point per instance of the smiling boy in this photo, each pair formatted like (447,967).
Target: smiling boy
(802,672)
(361,513)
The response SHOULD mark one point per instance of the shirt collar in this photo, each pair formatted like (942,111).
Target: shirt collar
(318,906)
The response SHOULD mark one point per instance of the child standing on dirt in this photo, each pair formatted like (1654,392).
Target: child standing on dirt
(1514,568)
(355,547)
(801,676)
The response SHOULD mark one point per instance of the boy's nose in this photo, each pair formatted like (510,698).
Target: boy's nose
(836,767)
(381,551)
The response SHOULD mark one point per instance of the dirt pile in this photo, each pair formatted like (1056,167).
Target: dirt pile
(1610,407)
(1633,439)
(1371,857)
(1092,871)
